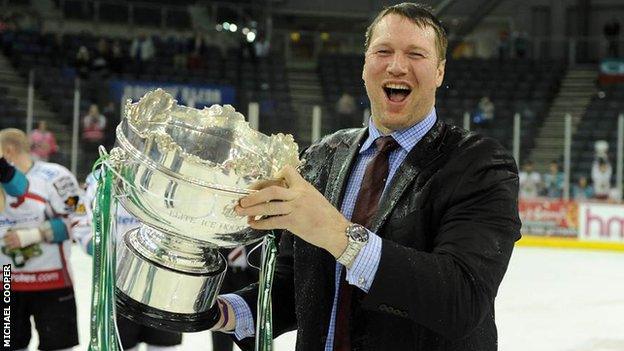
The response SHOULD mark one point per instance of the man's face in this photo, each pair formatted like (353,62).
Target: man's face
(401,72)
(582,182)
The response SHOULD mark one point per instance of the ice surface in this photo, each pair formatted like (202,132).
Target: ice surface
(550,300)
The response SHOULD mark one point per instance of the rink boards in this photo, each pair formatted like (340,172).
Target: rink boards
(572,224)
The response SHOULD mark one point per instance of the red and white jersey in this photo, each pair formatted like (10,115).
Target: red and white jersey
(52,192)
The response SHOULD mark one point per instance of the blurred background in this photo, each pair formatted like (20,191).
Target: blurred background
(544,77)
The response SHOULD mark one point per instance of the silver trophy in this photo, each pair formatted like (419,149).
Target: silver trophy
(181,172)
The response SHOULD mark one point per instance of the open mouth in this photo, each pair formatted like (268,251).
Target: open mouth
(397,92)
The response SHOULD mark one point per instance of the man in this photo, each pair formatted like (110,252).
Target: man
(601,177)
(130,333)
(35,227)
(93,127)
(553,181)
(530,181)
(423,260)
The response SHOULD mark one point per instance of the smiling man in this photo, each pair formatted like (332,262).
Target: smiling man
(396,236)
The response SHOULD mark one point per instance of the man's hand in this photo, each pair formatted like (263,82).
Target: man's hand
(298,207)
(227,319)
(18,238)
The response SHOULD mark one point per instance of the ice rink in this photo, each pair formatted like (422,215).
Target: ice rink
(550,300)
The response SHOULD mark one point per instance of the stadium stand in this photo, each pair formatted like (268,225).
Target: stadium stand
(262,80)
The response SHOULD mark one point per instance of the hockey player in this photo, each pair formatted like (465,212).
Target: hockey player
(35,224)
(131,333)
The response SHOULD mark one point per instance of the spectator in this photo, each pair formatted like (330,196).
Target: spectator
(83,62)
(42,142)
(520,44)
(530,181)
(346,104)
(197,49)
(553,181)
(261,46)
(57,51)
(525,110)
(582,190)
(180,56)
(345,107)
(601,177)
(601,150)
(111,113)
(93,127)
(247,50)
(142,51)
(485,111)
(101,58)
(503,45)
(116,58)
(612,34)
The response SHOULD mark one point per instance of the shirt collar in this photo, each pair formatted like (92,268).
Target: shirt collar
(407,138)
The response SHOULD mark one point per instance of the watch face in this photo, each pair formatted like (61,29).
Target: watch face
(358,233)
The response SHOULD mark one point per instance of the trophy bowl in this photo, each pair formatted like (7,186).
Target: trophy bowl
(181,171)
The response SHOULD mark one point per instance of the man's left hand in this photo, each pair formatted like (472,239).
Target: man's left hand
(11,240)
(296,205)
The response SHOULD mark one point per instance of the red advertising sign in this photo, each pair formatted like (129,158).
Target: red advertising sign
(549,217)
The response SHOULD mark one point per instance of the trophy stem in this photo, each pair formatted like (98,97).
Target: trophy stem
(176,252)
(167,282)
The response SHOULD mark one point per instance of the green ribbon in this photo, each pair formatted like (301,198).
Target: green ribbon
(264,327)
(104,334)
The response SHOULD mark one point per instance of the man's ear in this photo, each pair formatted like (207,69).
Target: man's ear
(440,73)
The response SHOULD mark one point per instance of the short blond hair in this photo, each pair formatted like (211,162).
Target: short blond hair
(15,137)
(419,14)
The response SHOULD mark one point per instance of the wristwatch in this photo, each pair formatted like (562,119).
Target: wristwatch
(358,237)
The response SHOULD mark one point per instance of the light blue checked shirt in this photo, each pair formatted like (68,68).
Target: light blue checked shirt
(365,265)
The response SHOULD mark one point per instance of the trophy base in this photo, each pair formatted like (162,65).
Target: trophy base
(163,320)
(164,284)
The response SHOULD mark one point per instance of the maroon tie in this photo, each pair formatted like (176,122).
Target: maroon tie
(373,183)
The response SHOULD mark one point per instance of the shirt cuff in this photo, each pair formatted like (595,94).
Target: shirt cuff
(364,268)
(244,319)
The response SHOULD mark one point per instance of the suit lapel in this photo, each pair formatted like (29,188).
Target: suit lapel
(344,157)
(424,152)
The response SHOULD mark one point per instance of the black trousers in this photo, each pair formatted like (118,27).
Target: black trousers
(54,312)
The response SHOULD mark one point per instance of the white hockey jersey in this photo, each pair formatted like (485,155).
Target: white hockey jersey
(52,192)
(83,232)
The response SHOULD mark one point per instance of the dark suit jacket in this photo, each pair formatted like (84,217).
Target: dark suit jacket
(448,221)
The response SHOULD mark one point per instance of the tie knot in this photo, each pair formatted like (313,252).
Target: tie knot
(386,144)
